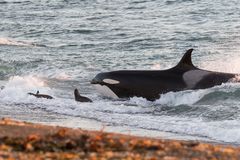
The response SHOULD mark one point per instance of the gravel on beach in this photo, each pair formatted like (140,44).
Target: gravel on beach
(22,140)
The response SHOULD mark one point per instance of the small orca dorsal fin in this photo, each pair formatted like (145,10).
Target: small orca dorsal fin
(186,60)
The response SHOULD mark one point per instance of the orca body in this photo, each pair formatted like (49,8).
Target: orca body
(40,95)
(80,98)
(150,84)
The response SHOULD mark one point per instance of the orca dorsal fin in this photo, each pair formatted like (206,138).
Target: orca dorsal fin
(186,60)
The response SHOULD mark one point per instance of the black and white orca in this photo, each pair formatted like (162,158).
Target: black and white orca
(150,84)
(40,95)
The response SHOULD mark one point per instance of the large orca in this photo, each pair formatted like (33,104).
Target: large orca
(150,84)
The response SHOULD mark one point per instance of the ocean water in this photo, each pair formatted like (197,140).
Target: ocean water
(59,45)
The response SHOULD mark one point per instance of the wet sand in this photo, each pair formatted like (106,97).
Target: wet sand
(21,140)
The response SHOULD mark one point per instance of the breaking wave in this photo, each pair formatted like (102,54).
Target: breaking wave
(12,42)
(187,113)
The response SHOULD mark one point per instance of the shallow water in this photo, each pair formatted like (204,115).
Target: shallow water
(57,46)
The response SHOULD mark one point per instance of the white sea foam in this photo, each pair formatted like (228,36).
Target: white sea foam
(221,131)
(235,79)
(8,41)
(17,87)
(183,97)
(133,114)
(190,97)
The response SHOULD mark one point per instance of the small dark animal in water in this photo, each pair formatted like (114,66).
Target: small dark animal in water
(41,95)
(80,98)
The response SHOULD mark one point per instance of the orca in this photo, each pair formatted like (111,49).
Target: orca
(40,95)
(80,98)
(150,84)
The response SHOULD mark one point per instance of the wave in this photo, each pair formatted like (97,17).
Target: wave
(17,87)
(191,97)
(14,2)
(11,42)
(5,68)
(5,41)
(138,113)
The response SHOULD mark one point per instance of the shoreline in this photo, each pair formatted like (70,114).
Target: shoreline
(24,140)
(42,116)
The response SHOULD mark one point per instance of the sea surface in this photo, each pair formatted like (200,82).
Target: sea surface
(55,46)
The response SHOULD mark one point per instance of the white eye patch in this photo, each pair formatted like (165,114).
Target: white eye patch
(111,81)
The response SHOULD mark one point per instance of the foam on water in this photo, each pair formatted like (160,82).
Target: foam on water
(17,87)
(190,97)
(11,42)
(136,113)
(182,97)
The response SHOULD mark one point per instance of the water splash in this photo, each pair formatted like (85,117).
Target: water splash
(235,79)
(17,87)
(183,97)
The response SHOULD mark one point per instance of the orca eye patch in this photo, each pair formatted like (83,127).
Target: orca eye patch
(111,81)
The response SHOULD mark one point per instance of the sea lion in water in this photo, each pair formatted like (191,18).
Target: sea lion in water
(80,98)
(41,95)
